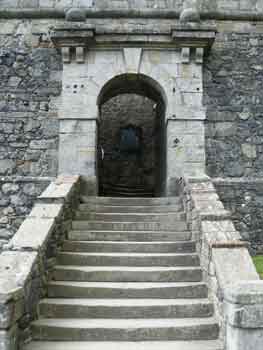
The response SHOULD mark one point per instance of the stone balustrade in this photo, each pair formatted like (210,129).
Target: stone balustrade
(28,258)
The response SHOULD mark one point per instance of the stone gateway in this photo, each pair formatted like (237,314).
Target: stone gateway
(131,162)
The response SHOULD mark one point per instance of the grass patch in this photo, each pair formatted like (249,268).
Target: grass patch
(258,261)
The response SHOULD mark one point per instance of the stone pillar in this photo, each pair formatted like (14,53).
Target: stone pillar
(78,123)
(78,151)
(244,316)
(185,127)
(78,111)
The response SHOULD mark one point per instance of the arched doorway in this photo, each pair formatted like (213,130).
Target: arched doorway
(131,137)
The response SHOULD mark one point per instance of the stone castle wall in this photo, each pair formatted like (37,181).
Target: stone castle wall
(30,87)
(242,5)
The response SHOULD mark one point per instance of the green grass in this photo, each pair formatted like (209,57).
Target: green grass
(258,261)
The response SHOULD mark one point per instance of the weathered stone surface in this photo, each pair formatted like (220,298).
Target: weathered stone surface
(233,265)
(75,15)
(15,270)
(46,211)
(33,234)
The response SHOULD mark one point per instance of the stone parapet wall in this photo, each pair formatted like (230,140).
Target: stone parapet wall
(242,5)
(26,263)
(225,259)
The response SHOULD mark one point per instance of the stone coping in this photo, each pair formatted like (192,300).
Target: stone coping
(22,179)
(27,248)
(245,292)
(226,251)
(237,180)
(37,12)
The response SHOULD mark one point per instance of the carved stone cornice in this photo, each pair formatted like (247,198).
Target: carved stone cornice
(193,39)
(72,35)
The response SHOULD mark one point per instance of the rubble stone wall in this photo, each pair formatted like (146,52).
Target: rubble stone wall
(30,89)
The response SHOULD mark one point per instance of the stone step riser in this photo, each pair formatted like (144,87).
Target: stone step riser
(131,217)
(197,332)
(68,274)
(178,247)
(130,226)
(122,201)
(86,208)
(100,260)
(126,236)
(186,292)
(156,345)
(49,310)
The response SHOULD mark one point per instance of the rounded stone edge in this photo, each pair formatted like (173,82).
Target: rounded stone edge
(190,15)
(75,15)
(47,13)
(245,293)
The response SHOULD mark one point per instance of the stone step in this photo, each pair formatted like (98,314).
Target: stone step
(166,225)
(127,259)
(125,330)
(100,208)
(127,274)
(125,308)
(122,201)
(114,290)
(130,217)
(156,345)
(129,236)
(128,194)
(129,247)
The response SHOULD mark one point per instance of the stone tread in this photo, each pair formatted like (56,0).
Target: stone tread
(150,255)
(145,217)
(122,246)
(129,236)
(131,259)
(156,345)
(124,308)
(127,285)
(123,302)
(127,268)
(125,329)
(100,208)
(127,273)
(119,290)
(122,201)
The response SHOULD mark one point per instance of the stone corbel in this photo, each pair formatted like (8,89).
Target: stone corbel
(66,54)
(80,54)
(185,54)
(73,39)
(194,40)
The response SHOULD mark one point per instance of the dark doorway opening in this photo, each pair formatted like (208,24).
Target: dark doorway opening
(131,150)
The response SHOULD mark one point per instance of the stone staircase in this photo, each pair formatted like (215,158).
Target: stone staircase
(127,278)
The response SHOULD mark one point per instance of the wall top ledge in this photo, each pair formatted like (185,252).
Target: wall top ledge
(245,292)
(42,12)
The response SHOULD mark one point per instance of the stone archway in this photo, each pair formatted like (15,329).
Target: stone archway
(173,60)
(132,108)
